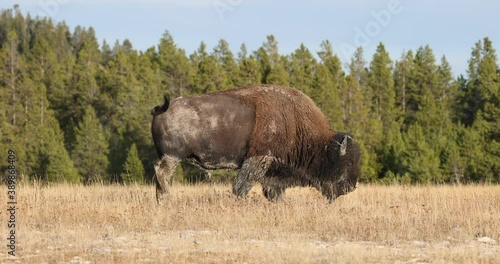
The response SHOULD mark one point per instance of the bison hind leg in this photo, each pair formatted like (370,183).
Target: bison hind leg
(164,169)
(274,193)
(252,170)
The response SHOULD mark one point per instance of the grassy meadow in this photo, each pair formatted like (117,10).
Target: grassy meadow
(207,224)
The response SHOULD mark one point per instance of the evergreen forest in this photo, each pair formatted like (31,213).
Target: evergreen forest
(76,110)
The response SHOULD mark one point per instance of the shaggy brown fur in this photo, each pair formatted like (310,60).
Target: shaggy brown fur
(288,125)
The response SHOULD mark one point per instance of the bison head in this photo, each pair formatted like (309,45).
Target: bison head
(343,155)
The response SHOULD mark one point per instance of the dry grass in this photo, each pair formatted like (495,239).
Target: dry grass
(206,224)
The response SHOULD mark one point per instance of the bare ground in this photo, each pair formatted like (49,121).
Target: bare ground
(206,224)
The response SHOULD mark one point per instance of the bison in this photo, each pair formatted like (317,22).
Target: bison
(273,135)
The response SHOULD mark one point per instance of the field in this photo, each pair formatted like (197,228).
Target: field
(207,224)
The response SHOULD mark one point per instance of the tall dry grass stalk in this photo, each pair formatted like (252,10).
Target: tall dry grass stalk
(389,224)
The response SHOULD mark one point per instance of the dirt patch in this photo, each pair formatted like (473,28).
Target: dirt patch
(206,246)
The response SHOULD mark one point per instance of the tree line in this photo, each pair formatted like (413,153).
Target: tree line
(77,111)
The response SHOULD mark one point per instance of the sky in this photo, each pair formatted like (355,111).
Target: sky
(449,27)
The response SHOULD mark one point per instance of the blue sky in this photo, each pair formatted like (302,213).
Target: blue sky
(449,27)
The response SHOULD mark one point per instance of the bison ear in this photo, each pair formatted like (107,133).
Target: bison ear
(343,146)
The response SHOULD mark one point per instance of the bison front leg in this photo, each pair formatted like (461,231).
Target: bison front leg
(164,169)
(252,170)
(328,190)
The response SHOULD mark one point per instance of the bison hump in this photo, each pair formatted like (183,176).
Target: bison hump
(288,124)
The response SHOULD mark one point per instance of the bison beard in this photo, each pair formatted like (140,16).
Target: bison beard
(274,135)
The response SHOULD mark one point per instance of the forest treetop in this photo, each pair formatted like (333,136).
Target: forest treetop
(78,111)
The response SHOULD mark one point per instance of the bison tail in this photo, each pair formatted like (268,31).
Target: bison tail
(161,108)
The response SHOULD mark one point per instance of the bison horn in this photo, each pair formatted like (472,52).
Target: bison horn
(343,146)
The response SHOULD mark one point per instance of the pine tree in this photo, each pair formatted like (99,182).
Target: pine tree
(359,73)
(60,89)
(175,67)
(447,87)
(423,90)
(59,167)
(445,135)
(330,60)
(480,104)
(357,68)
(271,49)
(9,95)
(248,69)
(489,85)
(356,119)
(9,77)
(120,92)
(419,158)
(402,72)
(276,73)
(469,99)
(90,149)
(133,170)
(227,62)
(6,129)
(121,98)
(302,69)
(60,42)
(430,111)
(39,125)
(209,75)
(20,24)
(127,47)
(325,88)
(472,149)
(37,129)
(355,115)
(264,63)
(84,86)
(353,112)
(243,53)
(381,85)
(356,87)
(325,94)
(106,53)
(148,75)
